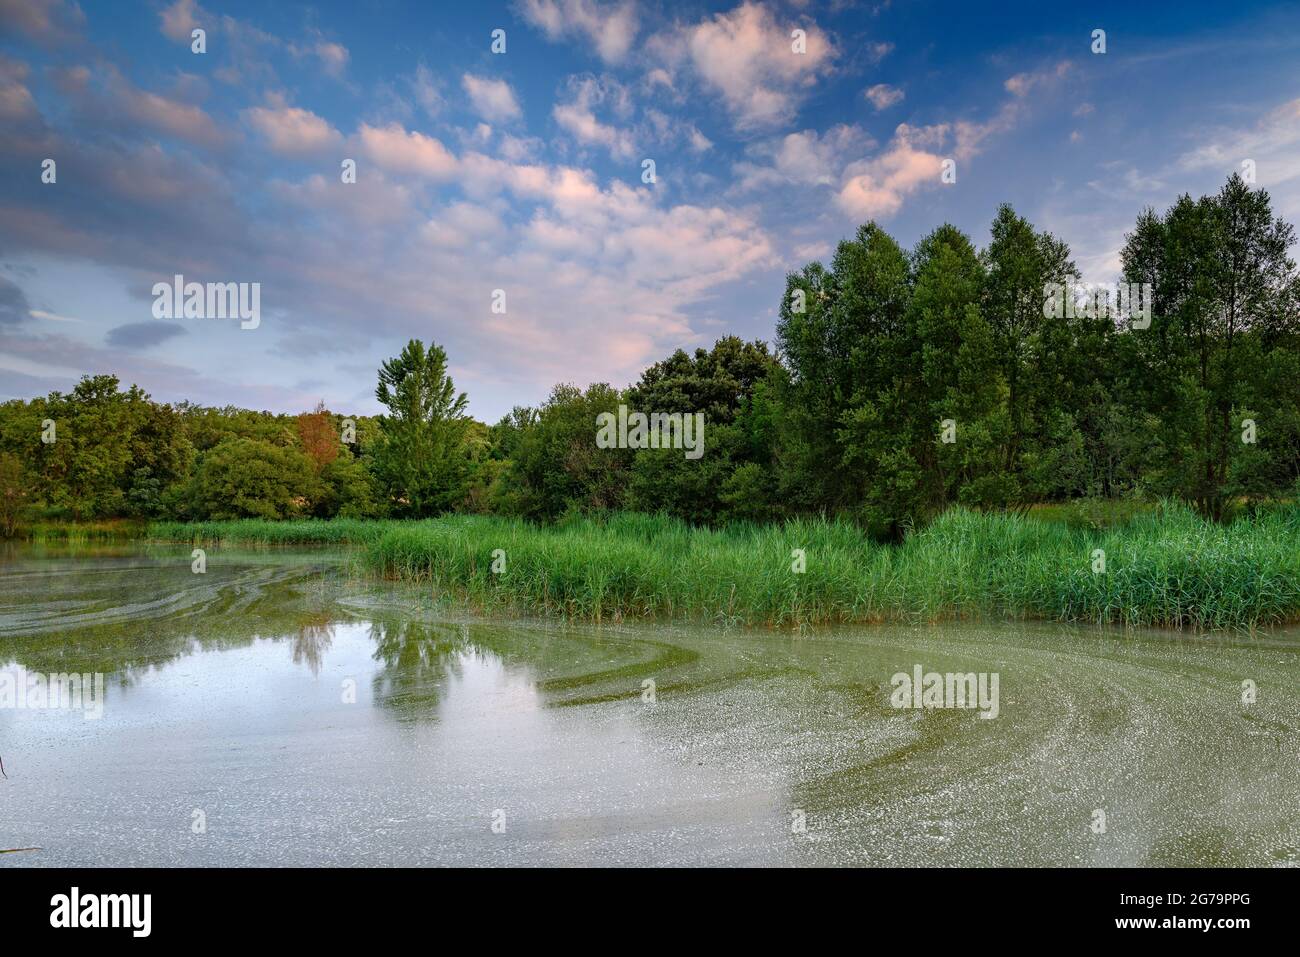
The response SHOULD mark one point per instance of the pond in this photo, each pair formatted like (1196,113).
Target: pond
(281,709)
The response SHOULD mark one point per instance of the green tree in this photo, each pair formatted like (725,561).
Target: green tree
(555,465)
(250,478)
(14,489)
(422,459)
(1223,330)
(721,384)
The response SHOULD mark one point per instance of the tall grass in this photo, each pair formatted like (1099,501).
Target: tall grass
(1164,567)
(75,533)
(255,531)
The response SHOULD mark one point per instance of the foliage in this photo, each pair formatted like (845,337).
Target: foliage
(421,458)
(904,382)
(249,478)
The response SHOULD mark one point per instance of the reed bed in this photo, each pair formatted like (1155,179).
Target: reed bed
(76,533)
(254,531)
(1166,568)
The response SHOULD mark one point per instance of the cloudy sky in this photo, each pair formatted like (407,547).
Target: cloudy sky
(523,170)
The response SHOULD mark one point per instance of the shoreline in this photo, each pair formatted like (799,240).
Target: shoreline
(1164,569)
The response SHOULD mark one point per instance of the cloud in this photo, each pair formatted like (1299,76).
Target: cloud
(611,28)
(48,22)
(107,99)
(492,99)
(805,158)
(747,57)
(1273,143)
(13,303)
(871,187)
(395,149)
(425,90)
(603,276)
(875,188)
(883,96)
(577,117)
(180,19)
(290,130)
(333,56)
(136,336)
(182,120)
(16,101)
(1022,84)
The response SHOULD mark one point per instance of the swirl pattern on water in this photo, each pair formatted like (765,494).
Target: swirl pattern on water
(225,694)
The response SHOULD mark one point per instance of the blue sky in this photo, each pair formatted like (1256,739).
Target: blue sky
(522,171)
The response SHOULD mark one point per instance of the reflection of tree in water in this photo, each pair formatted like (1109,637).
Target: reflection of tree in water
(416,658)
(312,640)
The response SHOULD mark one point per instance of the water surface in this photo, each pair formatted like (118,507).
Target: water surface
(279,710)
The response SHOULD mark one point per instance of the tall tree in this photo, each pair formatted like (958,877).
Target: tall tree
(1224,322)
(422,459)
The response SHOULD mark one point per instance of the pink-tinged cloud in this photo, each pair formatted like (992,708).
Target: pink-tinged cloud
(748,57)
(180,18)
(291,130)
(611,28)
(398,150)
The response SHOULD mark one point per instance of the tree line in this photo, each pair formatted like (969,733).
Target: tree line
(902,381)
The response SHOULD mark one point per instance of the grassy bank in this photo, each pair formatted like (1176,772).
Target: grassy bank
(1166,567)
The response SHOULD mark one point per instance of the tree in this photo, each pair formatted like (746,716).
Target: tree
(1223,328)
(320,440)
(1020,263)
(113,452)
(555,464)
(14,489)
(841,333)
(249,478)
(422,460)
(347,490)
(720,383)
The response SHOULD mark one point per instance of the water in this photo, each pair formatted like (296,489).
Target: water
(279,710)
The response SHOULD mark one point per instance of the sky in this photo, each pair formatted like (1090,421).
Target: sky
(524,171)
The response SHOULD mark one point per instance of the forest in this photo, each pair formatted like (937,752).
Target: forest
(901,382)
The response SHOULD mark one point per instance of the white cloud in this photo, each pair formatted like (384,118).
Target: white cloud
(805,158)
(400,151)
(494,100)
(875,188)
(425,89)
(291,130)
(610,28)
(746,56)
(578,118)
(883,96)
(1273,143)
